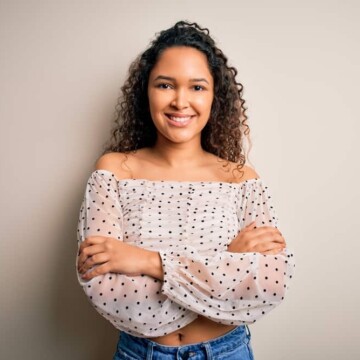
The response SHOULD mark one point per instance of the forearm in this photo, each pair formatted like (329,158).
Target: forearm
(227,287)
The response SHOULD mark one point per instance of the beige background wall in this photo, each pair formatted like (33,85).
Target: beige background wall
(61,66)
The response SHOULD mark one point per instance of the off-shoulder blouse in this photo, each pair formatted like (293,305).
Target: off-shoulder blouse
(190,223)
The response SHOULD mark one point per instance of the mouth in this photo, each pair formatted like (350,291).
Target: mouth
(179,120)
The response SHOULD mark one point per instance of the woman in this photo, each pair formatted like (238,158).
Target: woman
(179,244)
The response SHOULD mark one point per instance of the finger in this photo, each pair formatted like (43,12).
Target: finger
(268,246)
(266,235)
(275,252)
(277,238)
(266,229)
(99,270)
(272,252)
(89,251)
(94,260)
(251,225)
(92,240)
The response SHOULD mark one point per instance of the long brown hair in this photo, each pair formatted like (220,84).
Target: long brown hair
(224,132)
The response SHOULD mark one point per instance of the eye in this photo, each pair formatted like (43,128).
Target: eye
(198,88)
(163,86)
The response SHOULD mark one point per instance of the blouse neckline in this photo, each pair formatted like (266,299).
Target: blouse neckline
(179,182)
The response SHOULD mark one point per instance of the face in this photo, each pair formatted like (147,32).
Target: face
(180,91)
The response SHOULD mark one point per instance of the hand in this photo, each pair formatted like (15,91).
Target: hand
(266,240)
(100,255)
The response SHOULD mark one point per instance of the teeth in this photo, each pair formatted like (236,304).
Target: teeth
(180,119)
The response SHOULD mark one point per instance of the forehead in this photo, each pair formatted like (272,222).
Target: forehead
(182,61)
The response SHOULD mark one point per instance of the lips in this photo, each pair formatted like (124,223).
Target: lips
(179,120)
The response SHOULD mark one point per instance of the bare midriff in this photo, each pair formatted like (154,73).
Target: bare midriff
(201,329)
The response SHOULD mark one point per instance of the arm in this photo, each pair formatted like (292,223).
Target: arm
(99,255)
(231,288)
(119,297)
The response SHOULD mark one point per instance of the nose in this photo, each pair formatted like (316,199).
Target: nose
(180,100)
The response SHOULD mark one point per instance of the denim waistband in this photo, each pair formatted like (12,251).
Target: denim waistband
(144,347)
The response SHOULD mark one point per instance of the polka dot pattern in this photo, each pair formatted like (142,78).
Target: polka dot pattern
(191,225)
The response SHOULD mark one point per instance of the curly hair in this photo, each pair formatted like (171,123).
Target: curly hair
(224,132)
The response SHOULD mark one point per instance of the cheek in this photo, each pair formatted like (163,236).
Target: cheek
(152,100)
(158,101)
(204,103)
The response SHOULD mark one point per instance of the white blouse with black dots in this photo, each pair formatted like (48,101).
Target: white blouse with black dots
(190,223)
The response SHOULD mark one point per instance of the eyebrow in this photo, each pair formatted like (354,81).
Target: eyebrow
(163,77)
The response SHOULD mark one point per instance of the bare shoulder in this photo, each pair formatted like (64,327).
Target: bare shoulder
(246,173)
(250,173)
(114,162)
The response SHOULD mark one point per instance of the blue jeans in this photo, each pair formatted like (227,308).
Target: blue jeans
(233,345)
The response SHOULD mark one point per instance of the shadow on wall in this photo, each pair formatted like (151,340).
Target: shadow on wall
(80,331)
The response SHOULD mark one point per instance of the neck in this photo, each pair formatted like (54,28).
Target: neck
(179,156)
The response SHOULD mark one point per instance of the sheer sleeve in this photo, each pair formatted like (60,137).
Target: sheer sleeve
(232,288)
(133,304)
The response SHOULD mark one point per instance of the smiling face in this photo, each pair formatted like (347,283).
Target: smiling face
(180,91)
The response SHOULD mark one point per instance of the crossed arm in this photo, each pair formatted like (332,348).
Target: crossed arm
(238,285)
(99,255)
